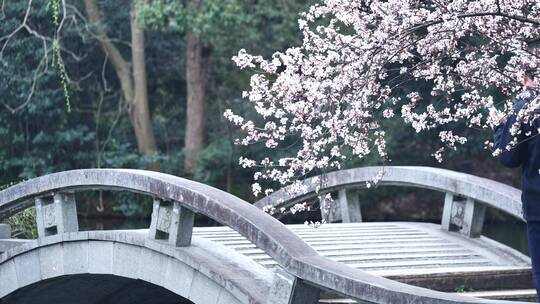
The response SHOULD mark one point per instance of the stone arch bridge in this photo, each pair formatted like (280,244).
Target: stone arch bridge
(254,258)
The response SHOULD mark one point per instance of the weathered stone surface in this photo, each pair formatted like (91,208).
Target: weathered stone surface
(178,277)
(211,276)
(152,267)
(66,212)
(164,218)
(349,205)
(181,228)
(56,214)
(171,222)
(28,268)
(6,244)
(76,257)
(41,214)
(330,212)
(8,278)
(49,216)
(203,290)
(448,211)
(264,231)
(475,279)
(127,260)
(100,257)
(287,289)
(51,260)
(463,215)
(489,192)
(227,298)
(473,218)
(5,231)
(282,288)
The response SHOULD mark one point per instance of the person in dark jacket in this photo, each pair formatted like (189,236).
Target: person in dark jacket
(526,153)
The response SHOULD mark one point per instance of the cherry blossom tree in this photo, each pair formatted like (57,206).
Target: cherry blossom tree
(333,91)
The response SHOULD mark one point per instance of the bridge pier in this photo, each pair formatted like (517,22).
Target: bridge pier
(227,276)
(172,222)
(288,289)
(349,205)
(346,208)
(6,242)
(56,214)
(5,231)
(466,215)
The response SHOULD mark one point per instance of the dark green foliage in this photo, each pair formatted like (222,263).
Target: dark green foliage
(39,136)
(23,224)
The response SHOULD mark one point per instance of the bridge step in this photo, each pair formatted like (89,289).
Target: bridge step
(523,295)
(386,248)
(527,295)
(420,254)
(476,278)
(495,283)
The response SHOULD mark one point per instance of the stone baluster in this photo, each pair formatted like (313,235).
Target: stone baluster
(288,289)
(345,208)
(56,214)
(349,205)
(5,237)
(171,222)
(464,215)
(6,242)
(330,210)
(5,231)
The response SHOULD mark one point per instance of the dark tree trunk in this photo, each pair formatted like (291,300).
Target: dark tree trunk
(139,111)
(133,80)
(197,57)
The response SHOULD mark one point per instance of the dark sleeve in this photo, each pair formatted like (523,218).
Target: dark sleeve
(517,154)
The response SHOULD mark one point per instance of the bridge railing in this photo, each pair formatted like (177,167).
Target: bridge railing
(466,198)
(304,272)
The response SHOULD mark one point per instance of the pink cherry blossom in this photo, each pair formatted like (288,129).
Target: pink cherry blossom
(332,91)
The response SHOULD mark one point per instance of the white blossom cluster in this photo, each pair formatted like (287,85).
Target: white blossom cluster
(333,91)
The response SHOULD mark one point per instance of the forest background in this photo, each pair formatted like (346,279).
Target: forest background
(147,86)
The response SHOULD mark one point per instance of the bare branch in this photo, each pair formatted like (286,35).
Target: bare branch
(19,28)
(37,74)
(120,64)
(471,15)
(2,11)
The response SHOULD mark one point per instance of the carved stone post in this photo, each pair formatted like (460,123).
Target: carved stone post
(349,205)
(330,211)
(5,231)
(465,216)
(447,211)
(171,222)
(56,214)
(287,289)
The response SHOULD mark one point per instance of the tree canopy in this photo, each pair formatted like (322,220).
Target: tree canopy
(439,65)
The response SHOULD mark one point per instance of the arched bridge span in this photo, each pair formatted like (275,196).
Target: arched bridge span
(93,289)
(202,273)
(302,272)
(467,196)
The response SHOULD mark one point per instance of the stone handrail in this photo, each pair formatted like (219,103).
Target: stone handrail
(482,190)
(304,267)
